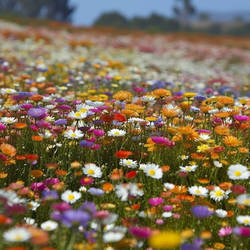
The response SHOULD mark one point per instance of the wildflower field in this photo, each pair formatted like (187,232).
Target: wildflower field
(122,141)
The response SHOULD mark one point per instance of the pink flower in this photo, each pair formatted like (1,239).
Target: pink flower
(155,201)
(224,231)
(140,232)
(98,132)
(167,208)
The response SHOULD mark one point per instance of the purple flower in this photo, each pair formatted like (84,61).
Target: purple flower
(74,217)
(26,106)
(38,113)
(96,191)
(201,211)
(189,246)
(60,122)
(2,126)
(49,195)
(85,143)
(89,207)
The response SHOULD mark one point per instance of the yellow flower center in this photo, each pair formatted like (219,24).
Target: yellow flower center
(218,193)
(237,173)
(197,191)
(188,168)
(18,237)
(73,135)
(116,133)
(83,110)
(151,172)
(246,221)
(48,227)
(71,197)
(246,202)
(91,171)
(77,114)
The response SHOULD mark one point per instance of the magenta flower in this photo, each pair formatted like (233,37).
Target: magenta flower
(155,201)
(167,208)
(241,118)
(98,132)
(2,126)
(140,232)
(224,231)
(242,231)
(162,141)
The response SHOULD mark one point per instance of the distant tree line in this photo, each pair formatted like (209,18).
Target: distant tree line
(181,22)
(59,10)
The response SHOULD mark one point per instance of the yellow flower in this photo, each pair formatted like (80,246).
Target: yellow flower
(189,94)
(165,240)
(202,148)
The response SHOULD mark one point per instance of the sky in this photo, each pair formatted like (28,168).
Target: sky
(88,10)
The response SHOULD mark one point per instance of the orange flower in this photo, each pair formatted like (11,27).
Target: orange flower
(122,95)
(75,164)
(232,141)
(3,175)
(20,157)
(243,150)
(116,174)
(37,138)
(169,112)
(219,246)
(136,206)
(3,219)
(8,149)
(159,93)
(225,185)
(221,130)
(36,173)
(107,187)
(203,181)
(205,235)
(36,98)
(61,172)
(165,168)
(179,189)
(20,125)
(225,100)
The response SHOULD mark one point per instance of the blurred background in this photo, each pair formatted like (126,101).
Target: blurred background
(218,17)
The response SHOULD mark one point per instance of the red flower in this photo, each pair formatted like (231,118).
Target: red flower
(123,154)
(107,118)
(119,118)
(31,157)
(131,174)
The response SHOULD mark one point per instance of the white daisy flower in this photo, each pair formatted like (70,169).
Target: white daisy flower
(33,205)
(49,225)
(169,186)
(71,196)
(187,169)
(115,235)
(8,91)
(128,163)
(243,219)
(73,134)
(116,132)
(18,234)
(221,213)
(238,172)
(8,120)
(204,136)
(243,199)
(83,108)
(153,171)
(198,191)
(90,169)
(218,194)
(167,214)
(218,164)
(77,115)
(29,221)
